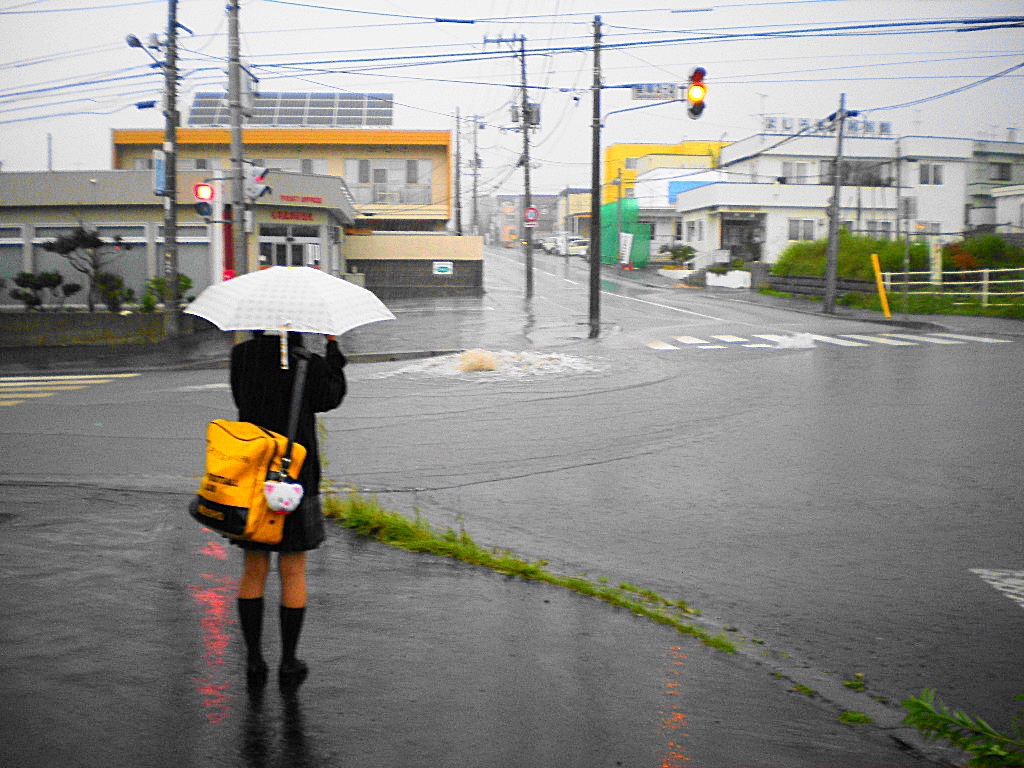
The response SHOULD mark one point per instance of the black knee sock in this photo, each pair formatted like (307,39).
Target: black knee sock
(250,614)
(291,628)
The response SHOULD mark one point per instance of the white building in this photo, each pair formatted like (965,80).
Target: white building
(777,189)
(1010,210)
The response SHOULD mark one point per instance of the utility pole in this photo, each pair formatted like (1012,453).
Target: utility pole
(595,191)
(526,113)
(239,238)
(458,173)
(476,176)
(525,118)
(171,166)
(832,254)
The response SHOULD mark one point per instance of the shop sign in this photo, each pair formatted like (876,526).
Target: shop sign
(291,215)
(302,199)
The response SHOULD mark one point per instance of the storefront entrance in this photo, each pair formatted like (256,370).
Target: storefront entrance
(289,245)
(743,235)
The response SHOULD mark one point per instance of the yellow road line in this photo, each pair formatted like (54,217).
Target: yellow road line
(96,377)
(10,389)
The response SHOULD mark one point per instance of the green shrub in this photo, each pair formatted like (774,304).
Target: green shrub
(111,289)
(854,260)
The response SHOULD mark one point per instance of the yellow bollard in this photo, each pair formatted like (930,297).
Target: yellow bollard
(881,285)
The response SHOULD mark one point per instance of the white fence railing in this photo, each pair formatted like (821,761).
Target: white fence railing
(981,284)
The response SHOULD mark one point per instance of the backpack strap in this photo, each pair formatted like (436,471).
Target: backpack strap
(298,385)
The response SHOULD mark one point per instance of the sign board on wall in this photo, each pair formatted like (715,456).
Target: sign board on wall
(445,268)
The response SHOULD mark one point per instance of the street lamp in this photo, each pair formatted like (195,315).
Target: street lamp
(170,153)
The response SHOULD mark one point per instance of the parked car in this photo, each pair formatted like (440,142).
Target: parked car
(578,246)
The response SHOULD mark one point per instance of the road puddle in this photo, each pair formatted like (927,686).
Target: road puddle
(484,365)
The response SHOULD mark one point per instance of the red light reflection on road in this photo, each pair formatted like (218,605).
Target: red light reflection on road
(674,723)
(216,597)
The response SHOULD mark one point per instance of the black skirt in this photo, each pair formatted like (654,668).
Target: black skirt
(303,530)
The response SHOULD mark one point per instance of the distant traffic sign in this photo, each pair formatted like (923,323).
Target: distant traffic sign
(530,217)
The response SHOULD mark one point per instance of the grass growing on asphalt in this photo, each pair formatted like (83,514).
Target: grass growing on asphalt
(853,717)
(366,517)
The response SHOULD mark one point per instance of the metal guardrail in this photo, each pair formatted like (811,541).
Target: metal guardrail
(981,284)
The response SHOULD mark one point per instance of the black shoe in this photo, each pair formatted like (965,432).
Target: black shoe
(256,672)
(292,673)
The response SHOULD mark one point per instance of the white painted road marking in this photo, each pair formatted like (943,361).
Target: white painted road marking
(1010,583)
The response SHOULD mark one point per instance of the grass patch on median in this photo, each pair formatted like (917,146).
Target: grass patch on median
(364,516)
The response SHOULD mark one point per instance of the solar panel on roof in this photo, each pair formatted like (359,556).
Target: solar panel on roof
(297,109)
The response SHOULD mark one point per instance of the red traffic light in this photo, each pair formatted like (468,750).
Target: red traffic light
(203,192)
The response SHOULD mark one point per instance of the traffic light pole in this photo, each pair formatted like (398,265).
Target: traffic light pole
(832,254)
(171,170)
(239,238)
(595,191)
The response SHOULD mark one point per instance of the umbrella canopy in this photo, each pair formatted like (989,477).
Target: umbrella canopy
(300,299)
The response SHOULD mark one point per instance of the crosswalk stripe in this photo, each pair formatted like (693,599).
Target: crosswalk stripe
(807,340)
(16,390)
(926,339)
(837,341)
(982,339)
(1010,583)
(879,340)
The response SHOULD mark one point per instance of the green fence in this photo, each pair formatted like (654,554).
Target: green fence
(624,213)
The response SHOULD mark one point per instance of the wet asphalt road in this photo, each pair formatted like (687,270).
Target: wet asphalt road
(615,461)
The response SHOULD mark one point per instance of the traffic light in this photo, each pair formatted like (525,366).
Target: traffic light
(255,181)
(695,92)
(204,194)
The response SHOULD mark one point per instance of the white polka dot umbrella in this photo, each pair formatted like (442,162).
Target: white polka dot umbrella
(300,299)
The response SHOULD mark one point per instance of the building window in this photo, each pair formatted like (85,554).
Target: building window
(632,163)
(1002,172)
(931,173)
(801,229)
(700,230)
(389,181)
(691,230)
(794,173)
(857,173)
(880,229)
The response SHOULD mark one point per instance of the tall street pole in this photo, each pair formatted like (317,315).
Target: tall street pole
(239,239)
(458,172)
(527,199)
(832,254)
(595,191)
(171,171)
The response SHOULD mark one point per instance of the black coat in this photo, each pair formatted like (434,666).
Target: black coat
(262,392)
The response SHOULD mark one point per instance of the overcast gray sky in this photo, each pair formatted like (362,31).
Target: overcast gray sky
(66,72)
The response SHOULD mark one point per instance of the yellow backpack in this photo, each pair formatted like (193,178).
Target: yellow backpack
(240,458)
